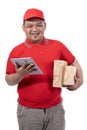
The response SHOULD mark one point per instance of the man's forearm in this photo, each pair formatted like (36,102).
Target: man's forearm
(13,79)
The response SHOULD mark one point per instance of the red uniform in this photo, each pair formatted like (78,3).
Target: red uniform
(36,91)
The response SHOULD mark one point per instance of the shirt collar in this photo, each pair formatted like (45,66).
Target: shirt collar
(28,43)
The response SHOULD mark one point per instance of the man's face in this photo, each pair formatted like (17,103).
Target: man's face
(34,29)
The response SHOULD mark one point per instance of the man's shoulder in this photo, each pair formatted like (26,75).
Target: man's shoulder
(17,49)
(52,41)
(19,46)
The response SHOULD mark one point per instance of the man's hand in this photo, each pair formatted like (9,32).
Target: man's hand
(15,78)
(77,84)
(24,69)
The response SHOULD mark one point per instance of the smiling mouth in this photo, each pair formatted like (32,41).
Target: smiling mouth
(35,34)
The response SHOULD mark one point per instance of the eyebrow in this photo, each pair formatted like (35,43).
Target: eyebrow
(38,22)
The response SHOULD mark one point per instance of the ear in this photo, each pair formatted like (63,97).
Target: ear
(45,25)
(23,28)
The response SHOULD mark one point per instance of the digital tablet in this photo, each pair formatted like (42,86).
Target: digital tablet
(29,60)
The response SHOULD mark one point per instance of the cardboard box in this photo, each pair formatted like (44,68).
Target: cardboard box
(63,74)
(58,72)
(69,75)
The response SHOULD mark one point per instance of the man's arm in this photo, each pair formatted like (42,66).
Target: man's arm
(13,79)
(78,78)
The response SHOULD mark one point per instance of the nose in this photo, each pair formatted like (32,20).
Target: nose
(34,27)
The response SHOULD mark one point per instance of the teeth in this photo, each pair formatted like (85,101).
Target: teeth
(35,34)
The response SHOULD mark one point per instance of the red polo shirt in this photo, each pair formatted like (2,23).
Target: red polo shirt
(36,91)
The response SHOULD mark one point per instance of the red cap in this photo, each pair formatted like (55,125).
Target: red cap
(30,13)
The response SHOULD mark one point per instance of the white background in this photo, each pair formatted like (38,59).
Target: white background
(66,21)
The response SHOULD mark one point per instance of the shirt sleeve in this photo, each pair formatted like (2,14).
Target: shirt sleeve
(67,55)
(10,67)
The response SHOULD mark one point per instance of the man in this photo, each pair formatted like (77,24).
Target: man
(39,103)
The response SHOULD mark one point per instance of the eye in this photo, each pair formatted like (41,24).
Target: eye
(30,26)
(39,25)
